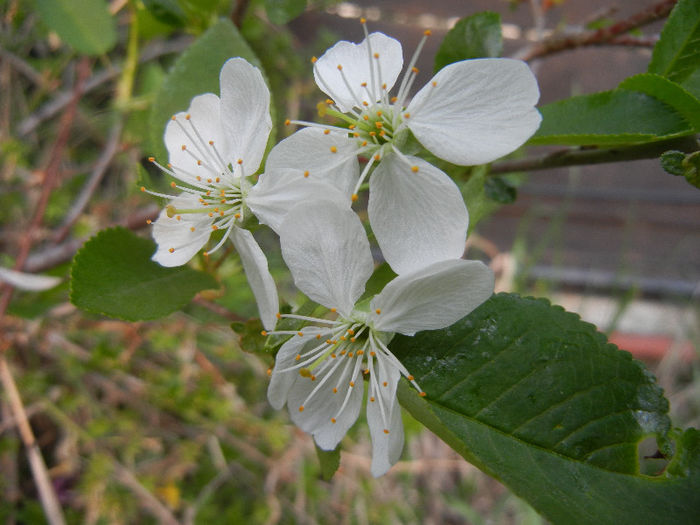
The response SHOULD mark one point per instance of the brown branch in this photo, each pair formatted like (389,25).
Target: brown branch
(148,501)
(577,157)
(47,495)
(601,36)
(239,12)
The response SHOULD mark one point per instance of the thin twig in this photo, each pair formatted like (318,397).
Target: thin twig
(47,495)
(103,162)
(148,500)
(577,157)
(62,99)
(22,66)
(239,12)
(601,36)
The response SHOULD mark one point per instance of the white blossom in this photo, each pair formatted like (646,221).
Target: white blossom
(471,112)
(319,371)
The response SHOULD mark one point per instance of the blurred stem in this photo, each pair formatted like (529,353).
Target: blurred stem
(125,87)
(580,157)
(49,501)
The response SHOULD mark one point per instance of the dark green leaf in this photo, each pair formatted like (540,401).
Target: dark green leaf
(497,189)
(683,165)
(329,460)
(476,36)
(692,84)
(195,72)
(282,11)
(537,398)
(667,92)
(381,276)
(167,11)
(113,274)
(250,332)
(474,193)
(677,53)
(85,25)
(620,116)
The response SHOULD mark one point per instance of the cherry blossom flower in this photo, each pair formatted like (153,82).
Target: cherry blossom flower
(319,371)
(214,148)
(471,112)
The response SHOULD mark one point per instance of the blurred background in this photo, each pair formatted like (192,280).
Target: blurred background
(168,422)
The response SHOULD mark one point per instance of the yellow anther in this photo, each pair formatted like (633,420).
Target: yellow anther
(214,227)
(240,161)
(376,55)
(287,122)
(363,21)
(414,70)
(335,390)
(171,250)
(406,115)
(313,60)
(300,334)
(340,67)
(237,216)
(306,173)
(269,371)
(151,159)
(427,32)
(385,383)
(143,188)
(364,84)
(187,117)
(334,310)
(371,399)
(191,228)
(365,103)
(354,197)
(278,315)
(393,99)
(183,147)
(378,125)
(377,157)
(301,408)
(334,149)
(332,420)
(148,221)
(305,372)
(434,83)
(422,394)
(173,185)
(352,384)
(414,169)
(410,378)
(263,333)
(211,142)
(298,357)
(386,430)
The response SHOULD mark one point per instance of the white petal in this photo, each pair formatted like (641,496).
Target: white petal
(281,382)
(433,297)
(309,149)
(27,281)
(386,447)
(418,217)
(261,282)
(171,233)
(316,418)
(327,251)
(245,111)
(478,111)
(205,116)
(355,61)
(280,190)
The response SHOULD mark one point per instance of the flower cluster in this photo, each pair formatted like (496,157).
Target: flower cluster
(471,112)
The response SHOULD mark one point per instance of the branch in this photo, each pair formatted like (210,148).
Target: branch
(47,495)
(601,36)
(576,157)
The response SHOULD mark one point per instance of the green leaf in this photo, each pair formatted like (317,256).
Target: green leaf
(85,25)
(167,11)
(692,84)
(195,72)
(329,460)
(677,53)
(499,190)
(479,204)
(667,92)
(537,398)
(683,165)
(113,274)
(620,116)
(475,36)
(282,11)
(672,162)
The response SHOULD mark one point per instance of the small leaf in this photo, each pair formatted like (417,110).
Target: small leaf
(195,72)
(250,332)
(282,11)
(667,92)
(329,460)
(537,398)
(677,53)
(85,25)
(497,189)
(475,36)
(113,274)
(620,116)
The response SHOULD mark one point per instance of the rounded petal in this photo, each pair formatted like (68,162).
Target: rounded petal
(28,281)
(386,446)
(358,69)
(418,217)
(327,251)
(180,237)
(309,150)
(280,190)
(323,406)
(281,382)
(433,297)
(261,282)
(245,112)
(475,111)
(186,148)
